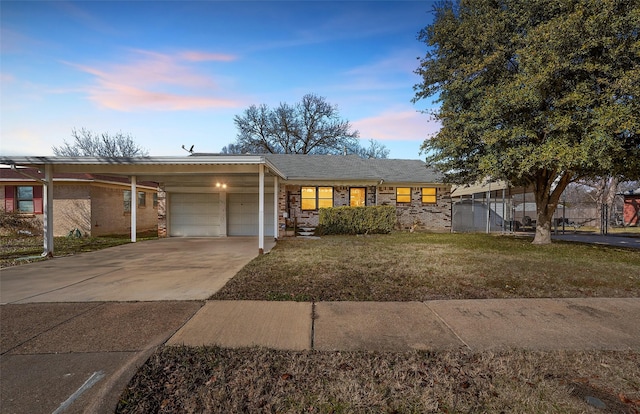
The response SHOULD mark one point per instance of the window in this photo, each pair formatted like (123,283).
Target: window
(316,197)
(403,195)
(429,195)
(142,199)
(155,200)
(325,197)
(127,201)
(357,196)
(308,198)
(24,199)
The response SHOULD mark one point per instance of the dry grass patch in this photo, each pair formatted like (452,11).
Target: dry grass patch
(421,266)
(16,249)
(213,380)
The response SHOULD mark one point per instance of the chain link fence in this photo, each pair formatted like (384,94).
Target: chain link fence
(516,212)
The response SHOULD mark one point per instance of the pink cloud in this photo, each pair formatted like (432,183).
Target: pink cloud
(124,98)
(195,56)
(397,126)
(156,81)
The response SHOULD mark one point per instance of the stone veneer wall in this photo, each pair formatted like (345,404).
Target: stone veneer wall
(414,215)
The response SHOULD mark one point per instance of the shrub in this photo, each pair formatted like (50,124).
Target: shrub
(13,223)
(357,220)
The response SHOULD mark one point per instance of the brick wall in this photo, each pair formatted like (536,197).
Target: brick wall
(95,210)
(414,215)
(162,213)
(109,217)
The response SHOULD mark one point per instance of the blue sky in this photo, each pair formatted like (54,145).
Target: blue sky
(175,73)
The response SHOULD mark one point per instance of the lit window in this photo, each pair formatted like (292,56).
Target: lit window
(357,196)
(25,199)
(142,199)
(325,197)
(127,201)
(429,195)
(314,198)
(309,198)
(403,195)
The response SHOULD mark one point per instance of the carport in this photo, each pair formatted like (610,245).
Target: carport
(203,196)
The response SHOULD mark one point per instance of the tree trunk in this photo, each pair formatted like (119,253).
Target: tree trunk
(547,198)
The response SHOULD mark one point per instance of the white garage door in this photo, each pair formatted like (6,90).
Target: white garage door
(243,214)
(194,215)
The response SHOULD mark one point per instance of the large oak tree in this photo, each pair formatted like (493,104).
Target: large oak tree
(535,92)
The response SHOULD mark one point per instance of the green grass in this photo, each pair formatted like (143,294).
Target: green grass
(424,266)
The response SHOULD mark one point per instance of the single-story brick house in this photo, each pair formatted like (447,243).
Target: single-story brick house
(631,209)
(209,195)
(93,204)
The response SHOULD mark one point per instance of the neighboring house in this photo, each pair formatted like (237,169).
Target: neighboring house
(93,204)
(206,195)
(631,209)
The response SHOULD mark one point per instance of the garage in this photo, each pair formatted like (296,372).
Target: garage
(243,214)
(196,215)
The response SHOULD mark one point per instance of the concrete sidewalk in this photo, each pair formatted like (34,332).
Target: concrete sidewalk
(78,357)
(477,325)
(51,351)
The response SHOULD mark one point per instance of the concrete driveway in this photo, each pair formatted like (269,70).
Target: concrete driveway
(166,269)
(75,329)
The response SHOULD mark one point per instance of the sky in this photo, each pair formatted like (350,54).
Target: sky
(173,73)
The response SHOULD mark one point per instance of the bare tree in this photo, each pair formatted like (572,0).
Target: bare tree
(374,150)
(87,144)
(312,126)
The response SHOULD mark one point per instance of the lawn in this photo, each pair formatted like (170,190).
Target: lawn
(16,250)
(424,266)
(400,266)
(405,266)
(256,380)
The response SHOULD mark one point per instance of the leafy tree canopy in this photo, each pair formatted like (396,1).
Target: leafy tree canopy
(535,92)
(87,144)
(311,126)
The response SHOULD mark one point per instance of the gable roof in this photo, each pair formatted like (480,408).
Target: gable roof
(352,167)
